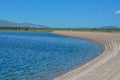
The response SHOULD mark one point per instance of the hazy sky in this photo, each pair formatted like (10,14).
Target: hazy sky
(62,13)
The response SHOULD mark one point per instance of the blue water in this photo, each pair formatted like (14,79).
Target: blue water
(41,55)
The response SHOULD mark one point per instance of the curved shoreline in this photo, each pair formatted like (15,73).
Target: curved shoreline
(105,66)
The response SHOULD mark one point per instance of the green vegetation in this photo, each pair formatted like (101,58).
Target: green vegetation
(14,28)
(28,29)
(54,29)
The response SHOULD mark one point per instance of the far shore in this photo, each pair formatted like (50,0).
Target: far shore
(104,67)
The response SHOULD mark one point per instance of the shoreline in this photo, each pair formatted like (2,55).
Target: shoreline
(103,67)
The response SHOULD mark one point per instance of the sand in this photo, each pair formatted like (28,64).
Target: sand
(104,67)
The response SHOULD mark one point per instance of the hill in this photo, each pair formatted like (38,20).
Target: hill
(109,27)
(4,23)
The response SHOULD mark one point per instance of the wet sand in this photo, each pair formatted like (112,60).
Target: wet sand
(104,67)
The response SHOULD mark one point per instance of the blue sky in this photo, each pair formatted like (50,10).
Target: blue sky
(62,13)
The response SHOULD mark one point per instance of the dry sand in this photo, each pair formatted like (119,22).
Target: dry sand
(104,67)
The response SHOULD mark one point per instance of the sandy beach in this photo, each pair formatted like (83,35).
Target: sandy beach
(104,67)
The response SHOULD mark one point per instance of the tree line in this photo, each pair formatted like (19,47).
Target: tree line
(29,29)
(53,29)
(14,28)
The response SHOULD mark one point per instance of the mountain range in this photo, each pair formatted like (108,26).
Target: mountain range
(5,23)
(109,27)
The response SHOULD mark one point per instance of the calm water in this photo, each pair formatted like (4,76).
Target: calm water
(41,55)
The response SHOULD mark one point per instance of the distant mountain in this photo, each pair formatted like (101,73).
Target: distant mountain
(109,27)
(5,23)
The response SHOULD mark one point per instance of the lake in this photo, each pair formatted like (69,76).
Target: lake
(42,55)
